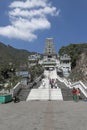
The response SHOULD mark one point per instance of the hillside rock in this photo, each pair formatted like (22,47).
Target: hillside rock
(82,64)
(80,70)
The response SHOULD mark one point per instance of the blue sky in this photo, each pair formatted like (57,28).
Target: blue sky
(25,24)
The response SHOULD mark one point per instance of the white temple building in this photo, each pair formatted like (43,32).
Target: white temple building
(51,60)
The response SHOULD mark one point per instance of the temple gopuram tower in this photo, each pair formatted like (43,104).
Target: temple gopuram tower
(49,51)
(49,56)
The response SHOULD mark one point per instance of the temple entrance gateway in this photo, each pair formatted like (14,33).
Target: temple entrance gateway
(49,56)
(52,61)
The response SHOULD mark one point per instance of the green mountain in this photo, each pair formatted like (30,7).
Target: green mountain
(8,54)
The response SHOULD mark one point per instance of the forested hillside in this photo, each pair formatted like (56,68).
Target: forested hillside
(9,54)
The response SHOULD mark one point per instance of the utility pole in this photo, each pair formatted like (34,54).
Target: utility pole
(49,88)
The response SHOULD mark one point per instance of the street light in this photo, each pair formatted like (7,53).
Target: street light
(49,87)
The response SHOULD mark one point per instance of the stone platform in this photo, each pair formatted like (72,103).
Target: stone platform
(43,115)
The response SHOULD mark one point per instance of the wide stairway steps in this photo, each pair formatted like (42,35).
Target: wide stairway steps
(24,91)
(56,94)
(66,92)
(45,94)
(23,94)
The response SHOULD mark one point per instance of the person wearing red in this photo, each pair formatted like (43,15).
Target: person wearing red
(74,93)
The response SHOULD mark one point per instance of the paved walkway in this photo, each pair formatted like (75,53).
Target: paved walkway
(44,115)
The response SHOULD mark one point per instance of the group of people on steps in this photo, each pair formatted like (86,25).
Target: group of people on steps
(76,94)
(53,83)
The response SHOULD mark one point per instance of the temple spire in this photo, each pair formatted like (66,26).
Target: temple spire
(49,48)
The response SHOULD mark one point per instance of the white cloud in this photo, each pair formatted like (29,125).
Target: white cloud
(28,17)
(32,13)
(12,32)
(28,4)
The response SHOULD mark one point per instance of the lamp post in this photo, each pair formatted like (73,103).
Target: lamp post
(49,87)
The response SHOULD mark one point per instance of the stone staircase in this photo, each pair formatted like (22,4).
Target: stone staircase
(67,95)
(45,94)
(66,92)
(56,94)
(24,92)
(38,94)
(37,91)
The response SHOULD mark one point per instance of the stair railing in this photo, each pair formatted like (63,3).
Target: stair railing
(65,81)
(16,88)
(81,86)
